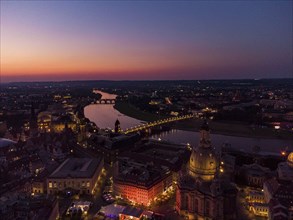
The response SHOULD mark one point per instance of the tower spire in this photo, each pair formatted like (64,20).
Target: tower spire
(117,126)
(205,140)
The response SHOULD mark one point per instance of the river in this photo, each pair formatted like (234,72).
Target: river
(104,115)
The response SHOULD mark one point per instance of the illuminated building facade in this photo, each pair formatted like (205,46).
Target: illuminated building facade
(78,174)
(140,183)
(47,122)
(257,203)
(200,194)
(44,122)
(38,186)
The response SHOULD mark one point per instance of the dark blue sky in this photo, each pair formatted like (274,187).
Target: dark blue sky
(146,39)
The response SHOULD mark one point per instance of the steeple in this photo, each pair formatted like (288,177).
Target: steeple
(117,126)
(33,121)
(205,140)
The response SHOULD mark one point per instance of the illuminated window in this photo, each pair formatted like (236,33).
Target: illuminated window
(88,184)
(50,184)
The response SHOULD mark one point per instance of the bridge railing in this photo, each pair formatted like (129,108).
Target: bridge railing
(156,123)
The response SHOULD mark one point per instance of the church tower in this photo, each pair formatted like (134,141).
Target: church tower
(33,122)
(204,132)
(117,126)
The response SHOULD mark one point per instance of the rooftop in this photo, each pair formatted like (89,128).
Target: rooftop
(132,211)
(144,174)
(77,168)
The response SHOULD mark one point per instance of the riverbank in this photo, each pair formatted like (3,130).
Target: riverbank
(224,128)
(131,111)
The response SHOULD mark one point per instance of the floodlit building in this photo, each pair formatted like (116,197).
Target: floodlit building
(139,182)
(259,209)
(44,121)
(47,122)
(77,174)
(257,203)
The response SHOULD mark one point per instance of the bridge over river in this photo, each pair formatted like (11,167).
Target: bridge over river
(106,101)
(156,123)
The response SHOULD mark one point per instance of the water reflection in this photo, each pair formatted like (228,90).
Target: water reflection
(104,115)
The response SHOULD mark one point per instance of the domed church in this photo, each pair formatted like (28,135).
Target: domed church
(200,193)
(204,162)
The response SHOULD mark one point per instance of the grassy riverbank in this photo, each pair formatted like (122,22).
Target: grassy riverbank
(225,128)
(131,111)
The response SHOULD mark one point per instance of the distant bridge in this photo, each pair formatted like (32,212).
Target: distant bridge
(105,101)
(156,123)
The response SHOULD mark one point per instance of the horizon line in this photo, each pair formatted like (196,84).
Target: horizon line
(149,80)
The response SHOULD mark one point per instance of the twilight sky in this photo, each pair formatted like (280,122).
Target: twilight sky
(71,40)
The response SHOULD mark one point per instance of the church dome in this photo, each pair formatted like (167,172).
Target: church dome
(203,163)
(290,159)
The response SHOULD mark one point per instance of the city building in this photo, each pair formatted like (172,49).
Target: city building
(44,121)
(285,169)
(200,193)
(254,174)
(39,182)
(131,213)
(120,212)
(20,206)
(112,147)
(79,175)
(280,209)
(257,203)
(259,209)
(279,196)
(140,182)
